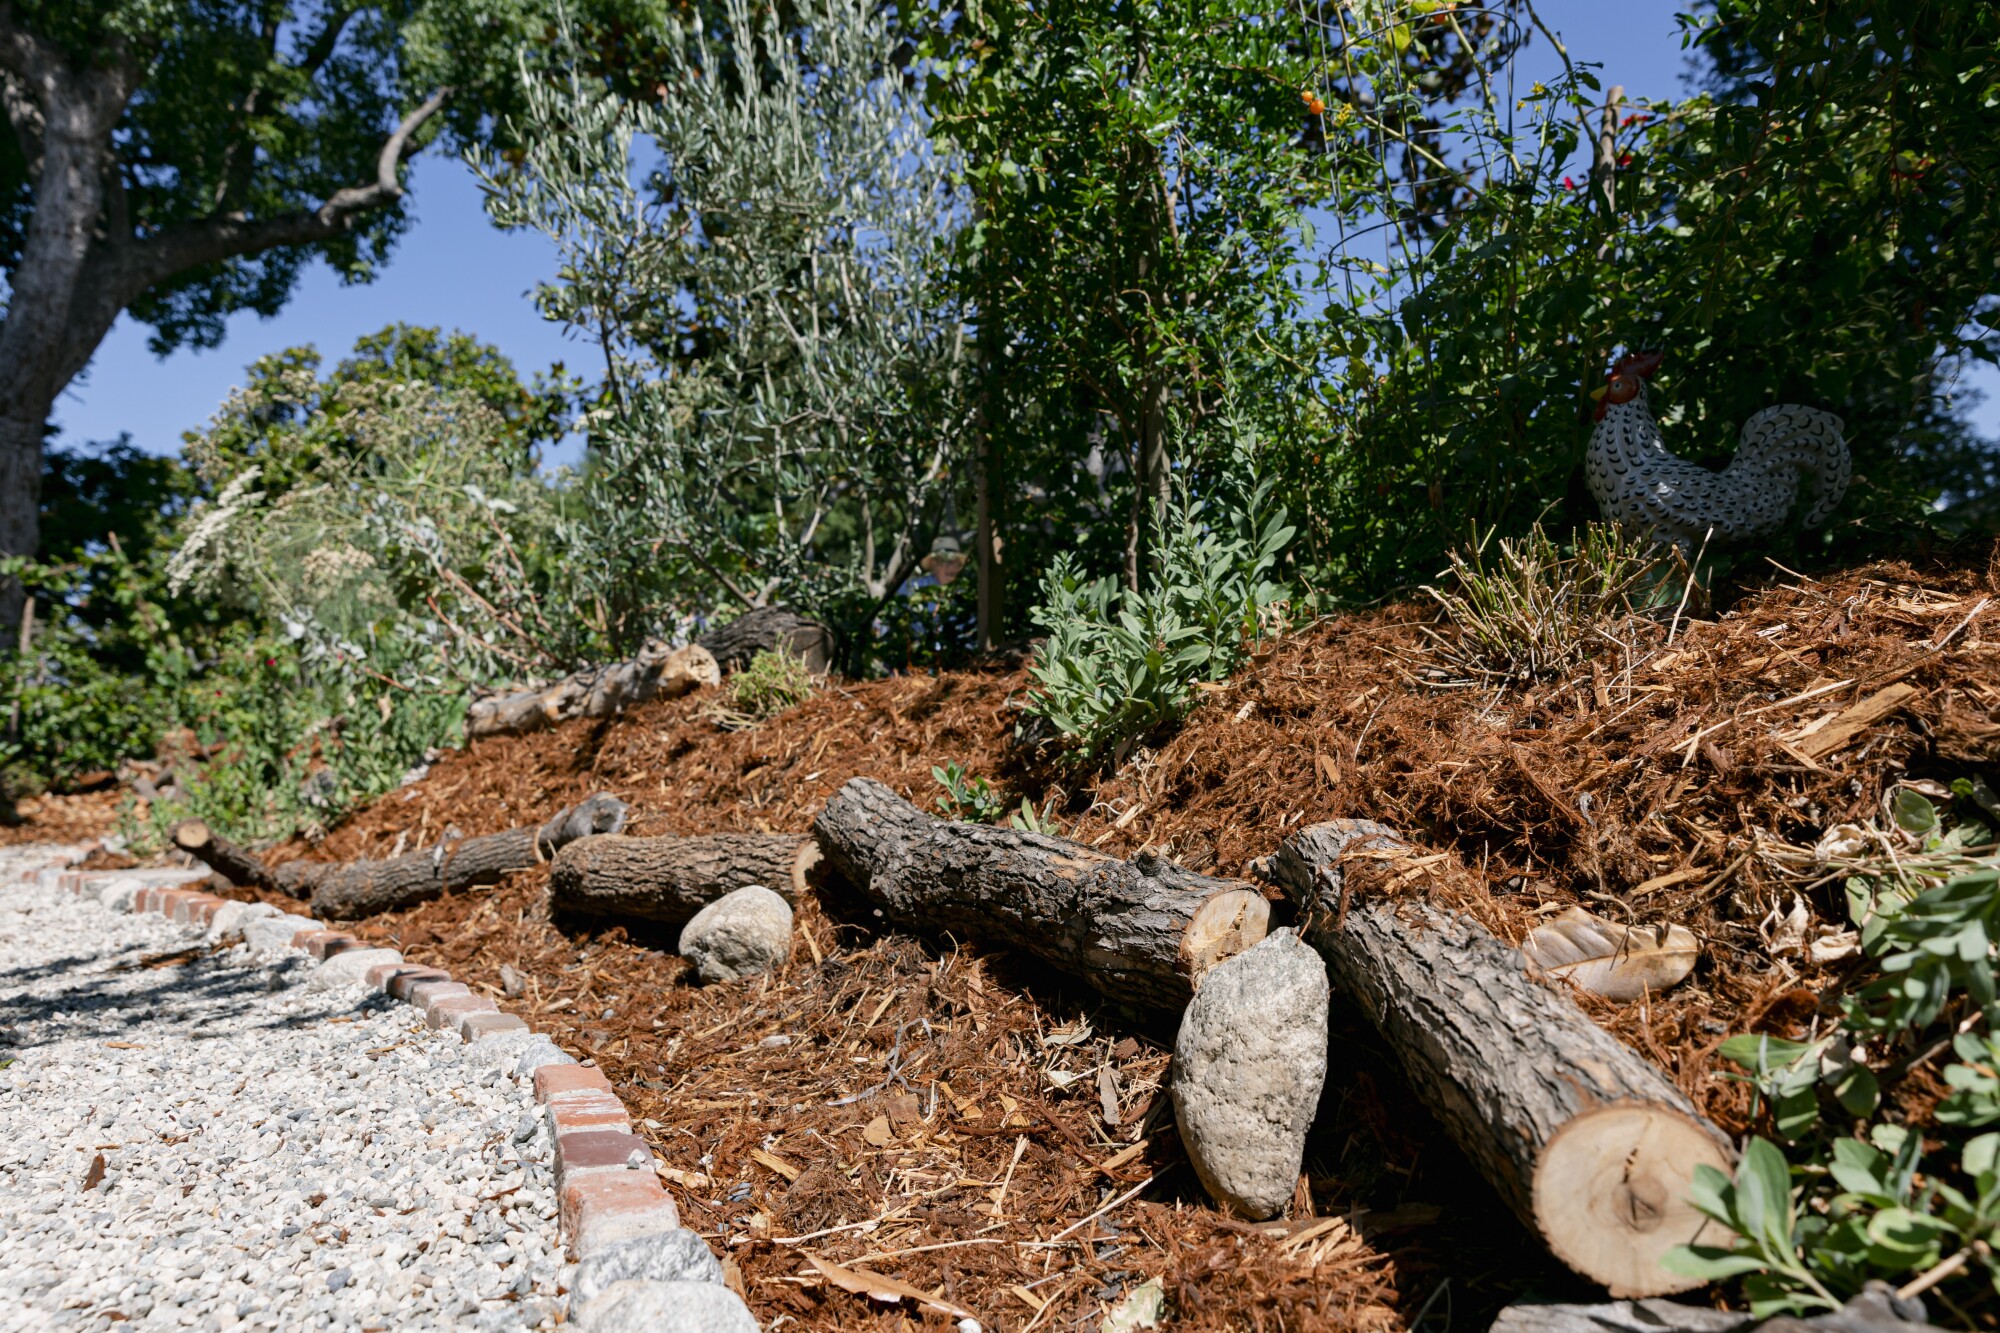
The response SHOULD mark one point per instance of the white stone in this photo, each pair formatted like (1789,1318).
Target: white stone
(739,934)
(275,932)
(677,1255)
(1248,1066)
(637,1306)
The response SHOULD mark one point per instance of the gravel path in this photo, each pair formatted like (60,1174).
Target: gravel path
(193,1136)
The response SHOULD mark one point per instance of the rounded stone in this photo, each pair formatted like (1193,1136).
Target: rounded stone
(665,1256)
(1248,1066)
(351,968)
(739,934)
(635,1305)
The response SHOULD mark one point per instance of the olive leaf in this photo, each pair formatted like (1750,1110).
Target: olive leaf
(1616,961)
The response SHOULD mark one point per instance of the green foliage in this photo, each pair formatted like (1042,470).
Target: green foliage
(966,797)
(1818,228)
(773,681)
(1140,173)
(1859,1202)
(776,420)
(1535,611)
(257,111)
(1118,664)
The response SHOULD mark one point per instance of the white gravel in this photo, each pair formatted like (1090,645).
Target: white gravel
(275,1156)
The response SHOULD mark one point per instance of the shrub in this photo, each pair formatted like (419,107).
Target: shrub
(1119,663)
(773,680)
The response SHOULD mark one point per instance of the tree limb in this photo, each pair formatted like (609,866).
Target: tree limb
(225,235)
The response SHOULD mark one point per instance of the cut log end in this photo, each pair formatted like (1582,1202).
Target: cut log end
(802,869)
(191,835)
(1611,1194)
(1224,926)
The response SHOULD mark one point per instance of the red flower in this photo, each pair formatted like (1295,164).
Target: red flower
(1568,184)
(1625,159)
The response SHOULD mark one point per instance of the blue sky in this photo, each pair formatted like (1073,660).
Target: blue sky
(455,269)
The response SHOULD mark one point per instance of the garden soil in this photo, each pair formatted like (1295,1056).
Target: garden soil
(944,1114)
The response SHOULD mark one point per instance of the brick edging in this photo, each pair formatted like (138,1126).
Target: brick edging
(607,1180)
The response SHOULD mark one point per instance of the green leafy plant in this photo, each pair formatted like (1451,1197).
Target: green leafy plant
(1119,663)
(1030,820)
(966,797)
(1857,1201)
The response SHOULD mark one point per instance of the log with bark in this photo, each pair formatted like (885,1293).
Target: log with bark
(668,880)
(1142,932)
(222,856)
(1586,1141)
(766,629)
(1878,1309)
(656,673)
(343,890)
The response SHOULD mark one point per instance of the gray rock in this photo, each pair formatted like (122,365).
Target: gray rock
(119,894)
(275,932)
(666,1256)
(1248,1066)
(638,1306)
(232,917)
(738,935)
(537,1054)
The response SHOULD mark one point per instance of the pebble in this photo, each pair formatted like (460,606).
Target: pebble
(274,1155)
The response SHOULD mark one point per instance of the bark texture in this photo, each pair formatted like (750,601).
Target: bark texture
(342,891)
(1876,1310)
(670,879)
(1142,932)
(764,630)
(1586,1141)
(658,672)
(222,856)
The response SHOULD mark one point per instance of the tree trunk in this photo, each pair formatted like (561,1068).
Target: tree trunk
(656,672)
(670,879)
(341,891)
(1585,1140)
(764,630)
(222,856)
(20,504)
(1142,932)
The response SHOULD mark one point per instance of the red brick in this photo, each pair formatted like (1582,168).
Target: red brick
(445,1011)
(397,978)
(473,1027)
(579,1111)
(557,1081)
(322,943)
(343,944)
(424,993)
(196,908)
(204,911)
(601,1209)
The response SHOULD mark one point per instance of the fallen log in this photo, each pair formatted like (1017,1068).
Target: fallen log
(658,672)
(766,629)
(222,856)
(1586,1141)
(1878,1309)
(1142,932)
(344,890)
(670,879)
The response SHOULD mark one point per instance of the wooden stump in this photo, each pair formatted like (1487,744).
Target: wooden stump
(1586,1141)
(341,891)
(1142,932)
(222,856)
(768,628)
(670,879)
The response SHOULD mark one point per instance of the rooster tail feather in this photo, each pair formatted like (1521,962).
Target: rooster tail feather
(1800,440)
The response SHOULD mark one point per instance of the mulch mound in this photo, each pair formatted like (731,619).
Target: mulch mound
(932,1111)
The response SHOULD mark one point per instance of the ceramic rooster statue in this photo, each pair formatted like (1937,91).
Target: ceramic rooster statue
(1638,483)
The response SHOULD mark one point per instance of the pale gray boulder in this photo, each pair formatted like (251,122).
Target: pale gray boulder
(1248,1066)
(350,968)
(635,1305)
(738,935)
(275,932)
(662,1256)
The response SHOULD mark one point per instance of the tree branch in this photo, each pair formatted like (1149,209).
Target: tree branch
(323,45)
(222,236)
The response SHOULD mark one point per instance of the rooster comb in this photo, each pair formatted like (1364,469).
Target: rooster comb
(1642,364)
